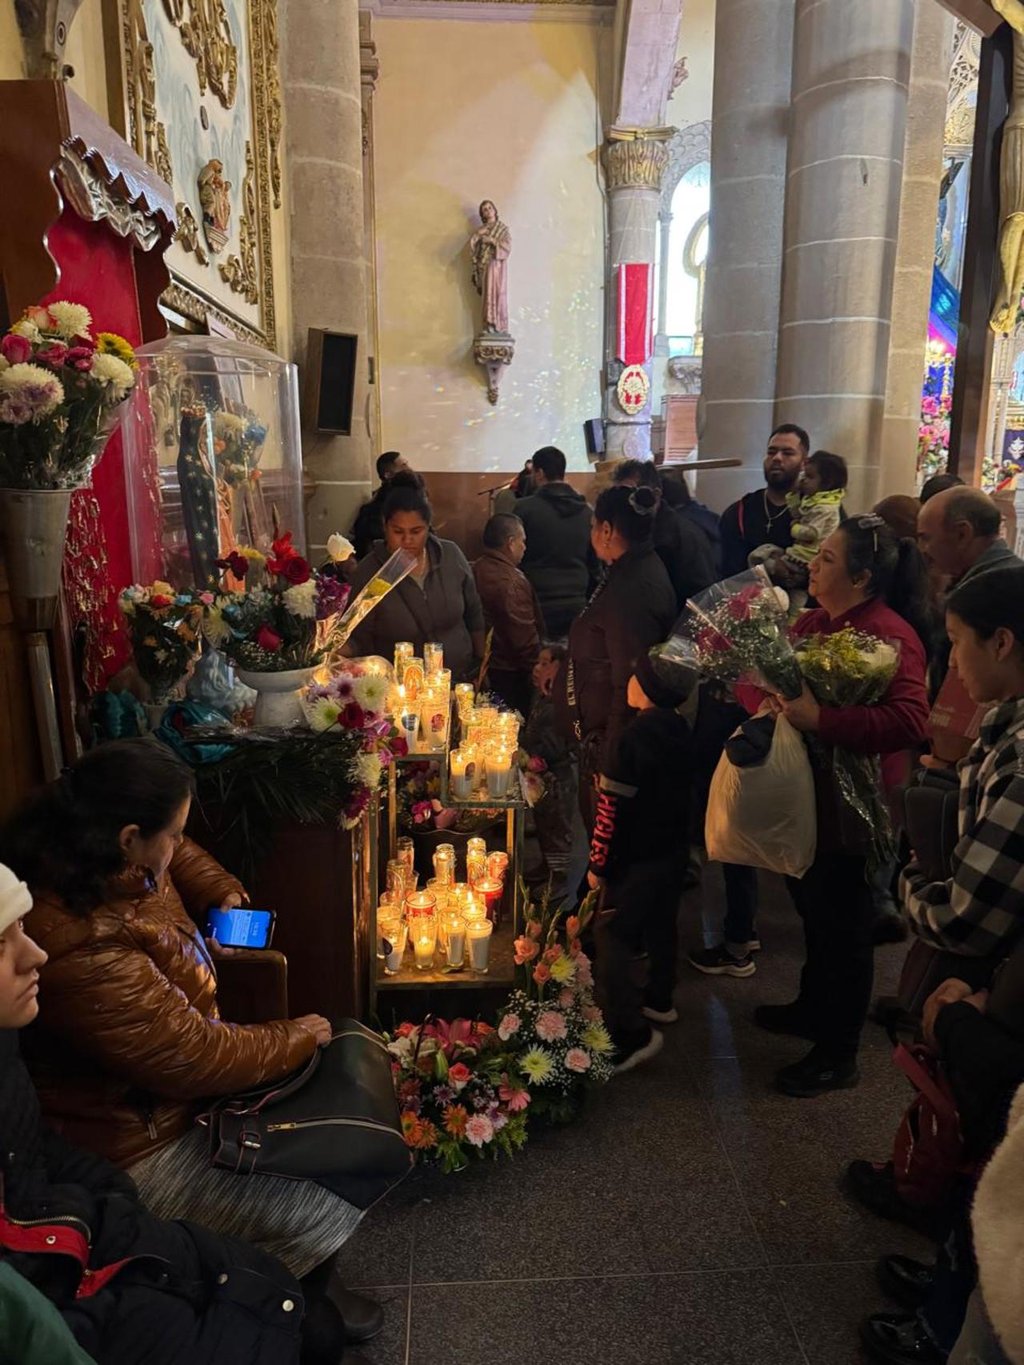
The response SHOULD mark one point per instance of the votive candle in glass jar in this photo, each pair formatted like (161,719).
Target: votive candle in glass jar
(396,878)
(424,941)
(433,658)
(444,864)
(476,867)
(461,779)
(465,697)
(478,936)
(405,850)
(455,939)
(393,935)
(491,890)
(434,716)
(499,774)
(413,680)
(497,865)
(421,904)
(404,651)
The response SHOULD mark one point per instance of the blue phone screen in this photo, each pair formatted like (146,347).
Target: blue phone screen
(240,928)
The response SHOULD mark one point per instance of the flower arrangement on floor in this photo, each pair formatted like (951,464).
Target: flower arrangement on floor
(420,810)
(164,627)
(466,1088)
(60,391)
(851,668)
(738,630)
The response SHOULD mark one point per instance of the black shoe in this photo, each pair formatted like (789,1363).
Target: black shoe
(363,1318)
(815,1075)
(791,1020)
(907,1281)
(898,1339)
(888,927)
(872,1185)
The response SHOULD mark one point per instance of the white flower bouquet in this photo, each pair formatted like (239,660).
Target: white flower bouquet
(61,390)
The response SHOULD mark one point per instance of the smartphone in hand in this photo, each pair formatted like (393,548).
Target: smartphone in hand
(241,927)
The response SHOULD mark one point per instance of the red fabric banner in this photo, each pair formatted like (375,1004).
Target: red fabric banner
(634,330)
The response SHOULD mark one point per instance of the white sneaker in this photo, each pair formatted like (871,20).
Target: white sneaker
(669,1016)
(642,1054)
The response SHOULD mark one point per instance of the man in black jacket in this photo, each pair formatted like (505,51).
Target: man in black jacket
(682,546)
(762,517)
(557,523)
(369,523)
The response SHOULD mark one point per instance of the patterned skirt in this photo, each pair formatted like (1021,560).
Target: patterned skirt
(299,1222)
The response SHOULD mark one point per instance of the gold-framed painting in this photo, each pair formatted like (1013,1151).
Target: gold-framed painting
(196,86)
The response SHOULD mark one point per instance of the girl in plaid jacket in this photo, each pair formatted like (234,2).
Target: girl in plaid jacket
(979,911)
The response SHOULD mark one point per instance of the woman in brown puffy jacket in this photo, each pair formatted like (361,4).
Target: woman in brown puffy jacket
(132,1042)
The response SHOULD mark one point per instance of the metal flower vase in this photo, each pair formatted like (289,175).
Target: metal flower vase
(33,532)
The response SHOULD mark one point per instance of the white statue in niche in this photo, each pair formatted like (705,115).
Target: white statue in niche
(491,245)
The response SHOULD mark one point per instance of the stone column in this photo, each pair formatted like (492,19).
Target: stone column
(749,126)
(851,71)
(320,70)
(915,249)
(633,171)
(369,70)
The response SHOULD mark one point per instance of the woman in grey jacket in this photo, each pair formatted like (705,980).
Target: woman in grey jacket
(437,601)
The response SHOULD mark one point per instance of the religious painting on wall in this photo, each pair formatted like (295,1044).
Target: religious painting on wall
(199,93)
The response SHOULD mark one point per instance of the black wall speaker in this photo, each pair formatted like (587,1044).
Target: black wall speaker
(593,434)
(330,380)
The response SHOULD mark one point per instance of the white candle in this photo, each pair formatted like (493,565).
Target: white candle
(478,933)
(423,947)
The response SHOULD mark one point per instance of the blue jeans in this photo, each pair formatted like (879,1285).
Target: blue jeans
(740,905)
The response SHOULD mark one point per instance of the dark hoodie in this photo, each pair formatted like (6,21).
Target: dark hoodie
(557,521)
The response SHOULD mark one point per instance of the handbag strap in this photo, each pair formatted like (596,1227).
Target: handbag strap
(913,1062)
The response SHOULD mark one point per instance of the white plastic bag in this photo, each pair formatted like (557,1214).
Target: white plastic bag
(764,815)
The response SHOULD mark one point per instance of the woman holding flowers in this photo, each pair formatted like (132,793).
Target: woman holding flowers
(862,578)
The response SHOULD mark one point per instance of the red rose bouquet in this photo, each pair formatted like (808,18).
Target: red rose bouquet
(737,629)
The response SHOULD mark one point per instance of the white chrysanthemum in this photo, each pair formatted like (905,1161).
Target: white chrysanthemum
(71,319)
(28,392)
(368,770)
(24,328)
(113,374)
(372,692)
(228,424)
(322,712)
(301,599)
(339,548)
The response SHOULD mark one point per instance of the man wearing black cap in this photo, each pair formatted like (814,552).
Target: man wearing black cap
(638,857)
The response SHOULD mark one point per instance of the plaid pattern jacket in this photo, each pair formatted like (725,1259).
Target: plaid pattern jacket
(981,907)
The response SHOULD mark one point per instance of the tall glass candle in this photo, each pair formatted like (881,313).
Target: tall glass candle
(413,679)
(405,849)
(491,890)
(424,942)
(403,653)
(433,658)
(497,865)
(478,936)
(461,779)
(455,939)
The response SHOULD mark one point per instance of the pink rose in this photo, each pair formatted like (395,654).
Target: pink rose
(459,1076)
(535,764)
(15,349)
(55,354)
(576,1059)
(541,973)
(39,317)
(550,1026)
(79,358)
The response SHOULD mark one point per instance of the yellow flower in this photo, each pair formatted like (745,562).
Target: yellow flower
(109,343)
(596,1037)
(563,969)
(536,1065)
(252,554)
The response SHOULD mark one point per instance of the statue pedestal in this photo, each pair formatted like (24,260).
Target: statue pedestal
(493,350)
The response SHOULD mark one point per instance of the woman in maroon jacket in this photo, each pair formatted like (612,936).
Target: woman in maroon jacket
(862,577)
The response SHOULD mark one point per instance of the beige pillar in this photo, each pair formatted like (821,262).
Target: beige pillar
(750,111)
(369,68)
(851,72)
(634,167)
(915,248)
(320,69)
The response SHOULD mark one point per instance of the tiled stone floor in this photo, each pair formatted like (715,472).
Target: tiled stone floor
(693,1216)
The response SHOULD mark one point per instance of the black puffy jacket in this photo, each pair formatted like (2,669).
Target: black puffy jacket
(134,1289)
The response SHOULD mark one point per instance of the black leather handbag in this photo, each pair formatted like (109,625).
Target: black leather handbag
(335,1122)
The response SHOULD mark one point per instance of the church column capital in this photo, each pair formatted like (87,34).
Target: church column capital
(636,158)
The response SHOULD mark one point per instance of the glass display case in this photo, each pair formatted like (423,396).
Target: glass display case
(213,457)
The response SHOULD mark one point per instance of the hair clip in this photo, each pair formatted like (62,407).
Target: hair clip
(643,509)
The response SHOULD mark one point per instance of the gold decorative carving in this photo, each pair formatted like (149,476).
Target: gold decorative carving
(637,158)
(958,136)
(240,272)
(145,131)
(188,234)
(203,24)
(206,35)
(271,53)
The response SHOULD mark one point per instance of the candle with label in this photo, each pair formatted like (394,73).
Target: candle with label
(461,779)
(433,658)
(492,891)
(455,939)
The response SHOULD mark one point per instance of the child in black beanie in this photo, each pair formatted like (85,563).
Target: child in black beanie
(638,858)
